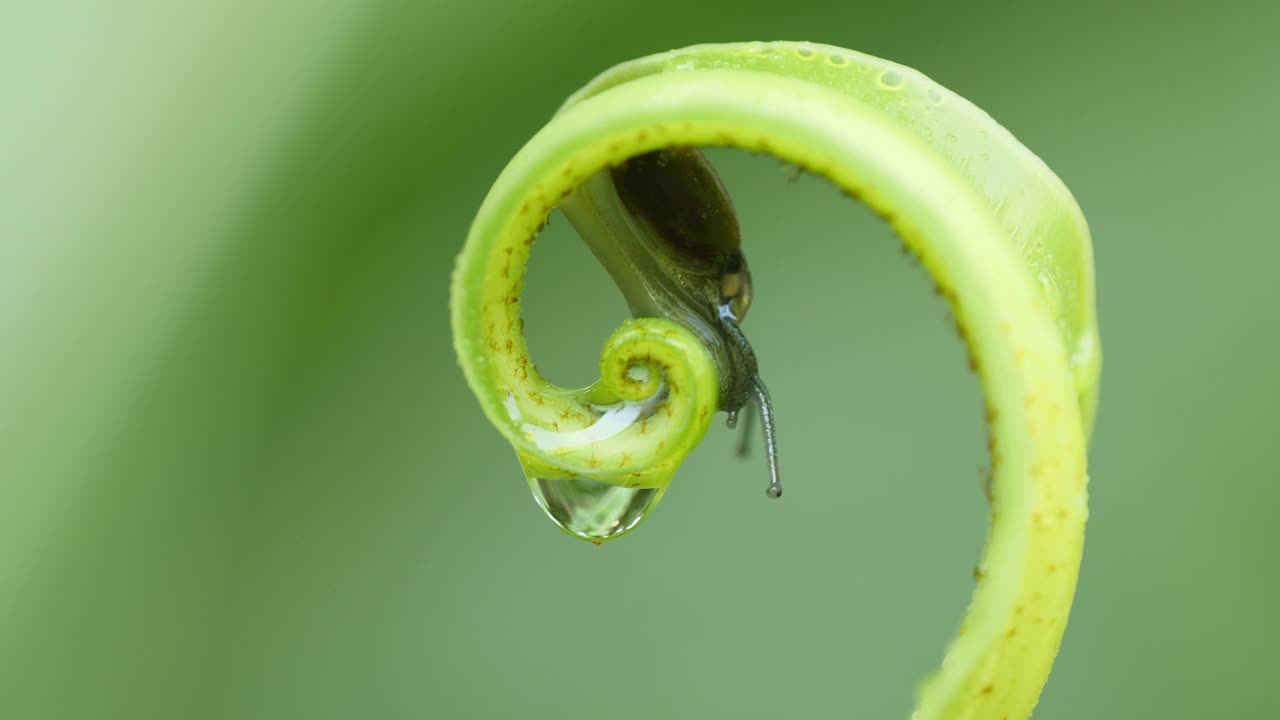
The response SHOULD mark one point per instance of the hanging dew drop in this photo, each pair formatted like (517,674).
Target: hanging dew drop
(594,510)
(584,507)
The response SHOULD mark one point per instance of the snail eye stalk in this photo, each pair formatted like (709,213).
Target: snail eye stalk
(758,400)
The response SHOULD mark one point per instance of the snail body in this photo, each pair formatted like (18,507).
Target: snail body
(664,227)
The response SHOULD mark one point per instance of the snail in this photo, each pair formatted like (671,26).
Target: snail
(676,253)
(1003,239)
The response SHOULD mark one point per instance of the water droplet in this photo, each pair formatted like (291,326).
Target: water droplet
(591,509)
(805,54)
(837,60)
(891,79)
(934,96)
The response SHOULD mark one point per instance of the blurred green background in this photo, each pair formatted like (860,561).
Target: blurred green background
(241,476)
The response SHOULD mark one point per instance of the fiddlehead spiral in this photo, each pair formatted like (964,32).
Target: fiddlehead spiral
(1001,236)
